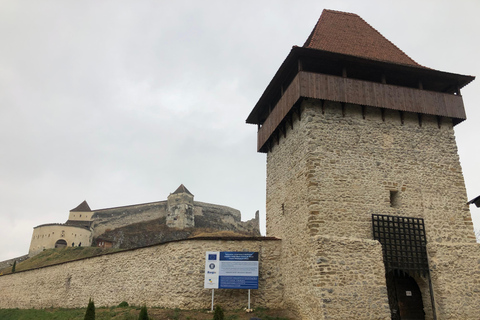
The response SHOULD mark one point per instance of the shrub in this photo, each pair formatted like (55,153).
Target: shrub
(14,265)
(143,313)
(90,314)
(218,314)
(123,304)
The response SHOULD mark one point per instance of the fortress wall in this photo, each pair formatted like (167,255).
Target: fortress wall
(45,237)
(166,275)
(123,216)
(456,279)
(226,212)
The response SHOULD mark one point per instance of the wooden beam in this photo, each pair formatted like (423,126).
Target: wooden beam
(290,119)
(439,121)
(384,79)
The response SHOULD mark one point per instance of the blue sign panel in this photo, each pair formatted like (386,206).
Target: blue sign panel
(238,256)
(231,270)
(238,270)
(231,282)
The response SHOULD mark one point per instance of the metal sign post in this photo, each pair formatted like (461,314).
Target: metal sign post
(212,298)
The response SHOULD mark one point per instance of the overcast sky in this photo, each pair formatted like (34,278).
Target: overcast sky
(120,102)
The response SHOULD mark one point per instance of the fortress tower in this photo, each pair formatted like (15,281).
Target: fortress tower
(180,209)
(364,184)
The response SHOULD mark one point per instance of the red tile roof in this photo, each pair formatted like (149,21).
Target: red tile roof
(348,33)
(82,207)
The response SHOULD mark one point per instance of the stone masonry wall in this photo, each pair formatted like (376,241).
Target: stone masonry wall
(325,277)
(348,277)
(45,237)
(456,279)
(329,172)
(215,216)
(122,216)
(355,163)
(286,201)
(167,275)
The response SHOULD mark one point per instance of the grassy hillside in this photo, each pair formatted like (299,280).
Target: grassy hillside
(54,256)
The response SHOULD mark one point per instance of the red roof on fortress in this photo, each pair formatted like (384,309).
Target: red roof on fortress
(348,33)
(82,207)
(182,189)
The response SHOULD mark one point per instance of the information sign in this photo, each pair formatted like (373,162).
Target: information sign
(231,270)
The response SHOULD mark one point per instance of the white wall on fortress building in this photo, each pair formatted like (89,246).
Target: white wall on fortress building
(45,237)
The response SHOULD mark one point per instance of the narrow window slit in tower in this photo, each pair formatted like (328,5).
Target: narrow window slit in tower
(393,198)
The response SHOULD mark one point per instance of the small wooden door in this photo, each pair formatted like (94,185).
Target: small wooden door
(404,297)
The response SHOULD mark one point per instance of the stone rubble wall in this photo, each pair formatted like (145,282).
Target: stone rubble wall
(45,237)
(216,215)
(169,275)
(286,204)
(456,279)
(354,163)
(109,219)
(329,171)
(348,278)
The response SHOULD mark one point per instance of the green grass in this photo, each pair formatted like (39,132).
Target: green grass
(44,314)
(131,313)
(67,314)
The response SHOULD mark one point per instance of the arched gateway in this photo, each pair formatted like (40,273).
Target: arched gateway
(60,243)
(404,297)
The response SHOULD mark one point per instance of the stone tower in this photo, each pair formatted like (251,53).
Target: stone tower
(180,209)
(364,184)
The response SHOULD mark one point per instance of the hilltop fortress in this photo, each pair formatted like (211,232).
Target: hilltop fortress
(367,214)
(86,227)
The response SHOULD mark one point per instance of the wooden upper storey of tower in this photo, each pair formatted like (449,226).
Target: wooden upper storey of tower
(346,60)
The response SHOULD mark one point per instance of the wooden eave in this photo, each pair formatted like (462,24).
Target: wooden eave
(314,60)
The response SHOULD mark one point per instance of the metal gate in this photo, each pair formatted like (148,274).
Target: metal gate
(404,247)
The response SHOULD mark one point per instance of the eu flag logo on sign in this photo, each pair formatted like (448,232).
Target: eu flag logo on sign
(212,257)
